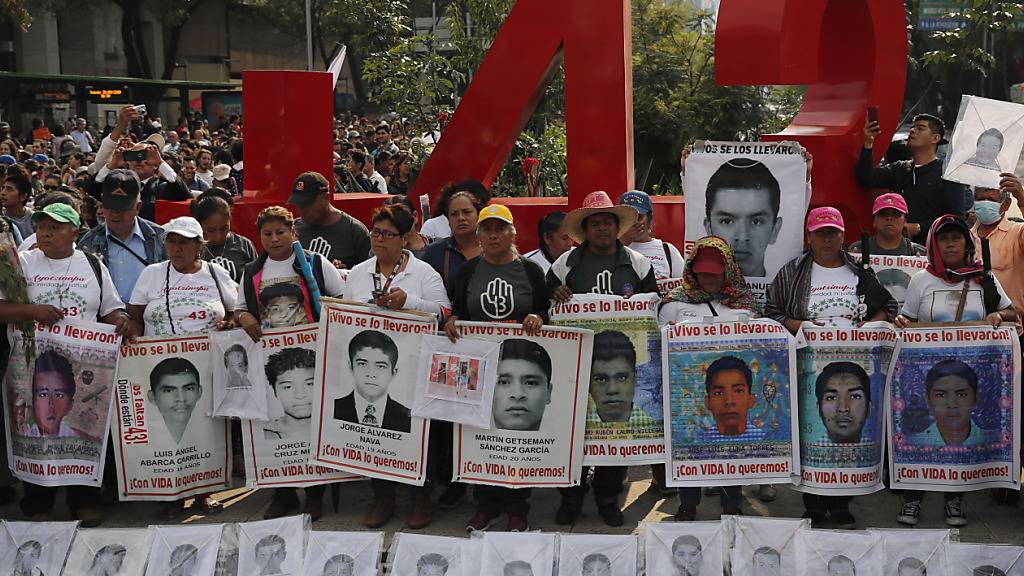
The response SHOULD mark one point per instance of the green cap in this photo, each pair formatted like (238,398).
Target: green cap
(59,212)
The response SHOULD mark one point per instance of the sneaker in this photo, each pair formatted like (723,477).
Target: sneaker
(818,519)
(567,513)
(482,521)
(955,513)
(611,515)
(686,513)
(451,496)
(517,522)
(843,519)
(767,493)
(908,515)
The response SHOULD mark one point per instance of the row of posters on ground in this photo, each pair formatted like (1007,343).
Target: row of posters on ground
(741,403)
(740,546)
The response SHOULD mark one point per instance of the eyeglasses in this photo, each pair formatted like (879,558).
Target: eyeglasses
(384,234)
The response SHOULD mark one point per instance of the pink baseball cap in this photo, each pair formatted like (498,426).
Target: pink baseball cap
(890,200)
(825,217)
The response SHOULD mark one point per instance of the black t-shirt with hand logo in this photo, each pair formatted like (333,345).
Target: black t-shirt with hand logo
(346,240)
(499,292)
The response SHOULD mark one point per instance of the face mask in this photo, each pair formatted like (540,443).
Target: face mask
(987,211)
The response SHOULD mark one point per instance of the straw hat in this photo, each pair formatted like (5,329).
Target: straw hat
(598,203)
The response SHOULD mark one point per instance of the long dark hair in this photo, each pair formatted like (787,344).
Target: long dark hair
(549,225)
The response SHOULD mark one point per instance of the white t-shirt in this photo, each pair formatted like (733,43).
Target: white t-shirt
(833,300)
(686,313)
(436,227)
(423,286)
(69,284)
(930,299)
(538,257)
(381,185)
(655,252)
(195,303)
(288,310)
(205,176)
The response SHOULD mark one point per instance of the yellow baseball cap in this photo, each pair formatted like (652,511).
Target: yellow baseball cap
(495,211)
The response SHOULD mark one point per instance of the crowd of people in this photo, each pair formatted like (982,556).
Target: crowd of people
(82,206)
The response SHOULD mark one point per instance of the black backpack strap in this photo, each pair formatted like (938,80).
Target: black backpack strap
(668,258)
(94,263)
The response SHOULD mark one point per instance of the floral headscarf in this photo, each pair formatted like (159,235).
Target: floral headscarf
(734,294)
(936,267)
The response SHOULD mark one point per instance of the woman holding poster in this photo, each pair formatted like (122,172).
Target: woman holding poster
(713,287)
(64,283)
(502,286)
(826,287)
(395,279)
(953,288)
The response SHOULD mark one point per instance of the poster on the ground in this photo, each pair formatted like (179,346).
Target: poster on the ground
(184,550)
(108,551)
(763,545)
(456,380)
(367,360)
(894,272)
(167,446)
(277,452)
(984,560)
(752,194)
(227,554)
(539,408)
(685,548)
(607,554)
(729,403)
(271,547)
(839,553)
(841,375)
(954,409)
(35,548)
(624,412)
(345,553)
(239,387)
(514,553)
(986,141)
(914,550)
(422,554)
(57,406)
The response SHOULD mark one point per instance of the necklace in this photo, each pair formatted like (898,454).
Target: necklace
(61,279)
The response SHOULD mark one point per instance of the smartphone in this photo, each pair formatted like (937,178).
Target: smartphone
(872,114)
(134,155)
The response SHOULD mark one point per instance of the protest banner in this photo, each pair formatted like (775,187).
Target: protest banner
(35,548)
(841,377)
(169,447)
(456,380)
(57,407)
(954,420)
(103,551)
(538,410)
(335,552)
(666,285)
(894,272)
(729,403)
(624,412)
(607,554)
(184,550)
(755,196)
(913,550)
(984,559)
(239,386)
(518,553)
(367,360)
(689,548)
(986,141)
(763,545)
(835,553)
(419,553)
(277,452)
(275,546)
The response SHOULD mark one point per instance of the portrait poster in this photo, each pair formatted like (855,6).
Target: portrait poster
(227,554)
(57,407)
(764,545)
(272,547)
(538,411)
(755,196)
(984,559)
(729,403)
(189,550)
(367,360)
(517,553)
(914,550)
(102,551)
(277,453)
(839,553)
(472,550)
(35,547)
(456,380)
(344,553)
(986,141)
(841,374)
(624,412)
(685,548)
(168,445)
(608,554)
(894,272)
(954,409)
(416,554)
(239,386)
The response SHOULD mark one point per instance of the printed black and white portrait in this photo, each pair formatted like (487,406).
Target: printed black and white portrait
(108,552)
(290,377)
(343,553)
(684,549)
(836,553)
(986,141)
(373,361)
(423,555)
(184,550)
(175,388)
(917,552)
(597,555)
(984,559)
(764,546)
(34,548)
(272,547)
(517,554)
(239,385)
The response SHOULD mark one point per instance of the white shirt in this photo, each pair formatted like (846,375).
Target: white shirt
(833,299)
(195,304)
(930,299)
(205,176)
(423,286)
(379,182)
(538,257)
(655,252)
(436,227)
(378,408)
(687,313)
(278,271)
(69,284)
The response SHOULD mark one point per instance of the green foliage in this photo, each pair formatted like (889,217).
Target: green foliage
(15,13)
(968,47)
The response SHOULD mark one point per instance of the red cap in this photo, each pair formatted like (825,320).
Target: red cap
(708,261)
(890,201)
